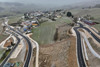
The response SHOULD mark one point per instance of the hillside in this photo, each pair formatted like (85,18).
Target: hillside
(94,12)
(84,4)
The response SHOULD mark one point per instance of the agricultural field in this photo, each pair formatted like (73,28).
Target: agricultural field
(14,19)
(44,34)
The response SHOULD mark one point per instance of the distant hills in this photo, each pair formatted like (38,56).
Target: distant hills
(88,3)
(21,8)
(97,6)
(8,6)
(16,7)
(91,3)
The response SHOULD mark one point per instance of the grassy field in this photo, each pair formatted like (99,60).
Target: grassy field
(44,34)
(64,19)
(0,27)
(14,19)
(97,27)
(94,12)
(2,37)
(1,51)
(6,54)
(7,13)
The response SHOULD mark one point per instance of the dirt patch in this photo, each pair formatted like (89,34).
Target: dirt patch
(72,59)
(45,60)
(56,53)
(8,42)
(94,46)
(62,32)
(93,61)
(81,30)
(59,54)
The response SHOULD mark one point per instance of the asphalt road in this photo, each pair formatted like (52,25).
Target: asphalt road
(29,54)
(79,49)
(6,59)
(79,46)
(95,31)
(92,34)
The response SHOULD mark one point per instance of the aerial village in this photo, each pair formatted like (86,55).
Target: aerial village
(35,18)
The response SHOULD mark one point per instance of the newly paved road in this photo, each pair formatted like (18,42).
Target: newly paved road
(79,49)
(6,59)
(91,33)
(79,46)
(96,31)
(29,54)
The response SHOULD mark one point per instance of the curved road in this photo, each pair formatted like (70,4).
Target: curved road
(92,34)
(6,59)
(79,49)
(29,54)
(79,46)
(96,31)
